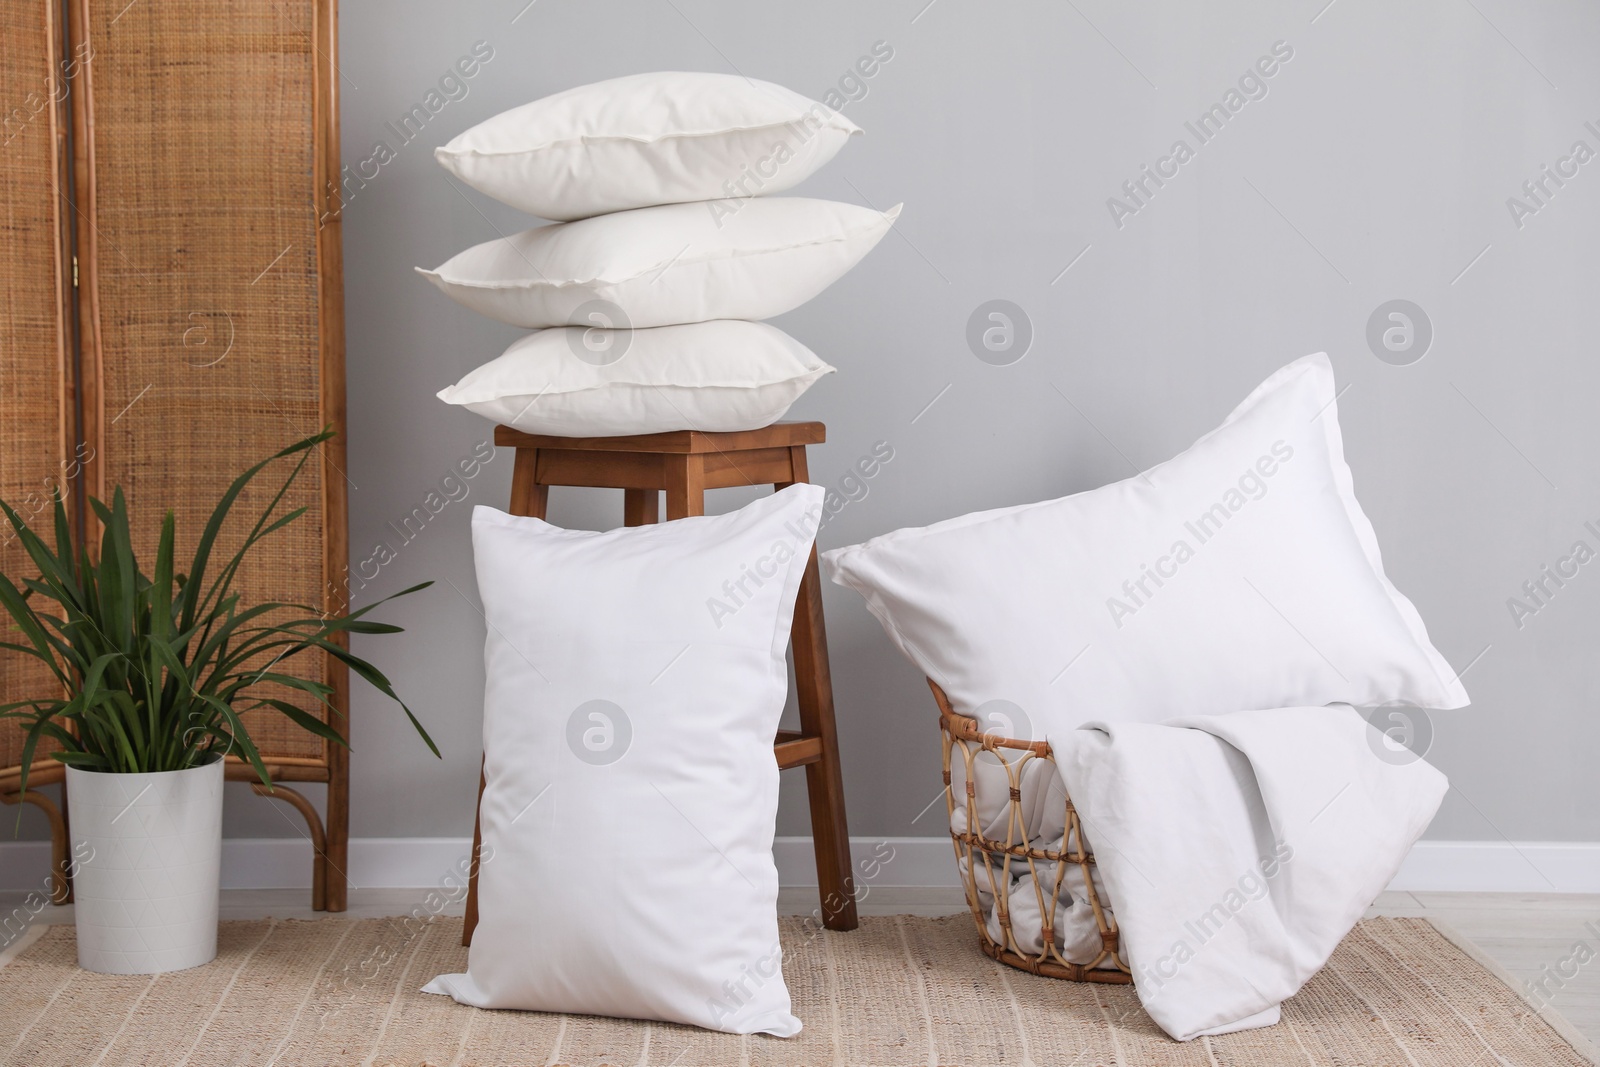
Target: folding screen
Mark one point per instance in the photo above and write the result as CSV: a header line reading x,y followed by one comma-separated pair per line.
x,y
36,424
209,304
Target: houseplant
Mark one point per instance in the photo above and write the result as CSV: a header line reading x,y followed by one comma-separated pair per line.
x,y
153,673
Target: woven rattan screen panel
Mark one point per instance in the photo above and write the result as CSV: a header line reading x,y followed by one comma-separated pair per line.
x,y
208,348
33,409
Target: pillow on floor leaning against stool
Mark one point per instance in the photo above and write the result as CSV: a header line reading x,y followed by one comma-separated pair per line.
x,y
622,713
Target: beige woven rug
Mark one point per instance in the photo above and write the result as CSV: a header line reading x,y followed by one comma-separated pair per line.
x,y
897,991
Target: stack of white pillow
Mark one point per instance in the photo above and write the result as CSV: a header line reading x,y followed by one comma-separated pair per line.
x,y
667,249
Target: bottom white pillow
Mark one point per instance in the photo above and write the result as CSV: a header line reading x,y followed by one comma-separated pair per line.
x,y
574,381
631,792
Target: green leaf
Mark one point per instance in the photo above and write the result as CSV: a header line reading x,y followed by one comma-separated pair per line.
x,y
241,738
320,690
219,515
261,529
63,529
392,596
376,679
356,626
50,568
11,599
88,761
306,721
161,586
29,744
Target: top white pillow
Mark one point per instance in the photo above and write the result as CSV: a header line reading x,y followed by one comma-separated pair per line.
x,y
647,139
1240,575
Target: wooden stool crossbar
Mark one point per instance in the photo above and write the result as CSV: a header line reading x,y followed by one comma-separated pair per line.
x,y
684,464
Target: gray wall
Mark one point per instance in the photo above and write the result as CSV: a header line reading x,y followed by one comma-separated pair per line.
x,y
1377,167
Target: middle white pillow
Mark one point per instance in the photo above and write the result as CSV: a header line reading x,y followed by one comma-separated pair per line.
x,y
720,259
714,376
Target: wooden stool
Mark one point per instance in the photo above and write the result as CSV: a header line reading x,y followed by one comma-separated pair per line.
x,y
685,463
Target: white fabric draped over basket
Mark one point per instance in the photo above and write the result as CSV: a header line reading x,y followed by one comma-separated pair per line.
x,y
1238,850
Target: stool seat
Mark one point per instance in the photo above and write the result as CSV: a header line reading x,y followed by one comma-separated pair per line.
x,y
683,464
679,462
675,442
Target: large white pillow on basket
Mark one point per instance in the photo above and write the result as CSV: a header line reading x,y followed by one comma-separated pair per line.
x,y
630,790
663,265
1240,575
647,139
569,381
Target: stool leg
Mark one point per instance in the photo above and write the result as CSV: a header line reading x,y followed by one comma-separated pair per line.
x,y
686,486
528,497
639,506
824,782
469,921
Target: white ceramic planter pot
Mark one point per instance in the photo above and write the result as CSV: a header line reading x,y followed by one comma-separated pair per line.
x,y
146,890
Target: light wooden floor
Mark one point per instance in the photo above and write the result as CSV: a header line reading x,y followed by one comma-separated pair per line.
x,y
1531,936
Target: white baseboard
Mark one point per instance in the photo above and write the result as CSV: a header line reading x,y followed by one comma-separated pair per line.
x,y
282,862
420,862
1501,867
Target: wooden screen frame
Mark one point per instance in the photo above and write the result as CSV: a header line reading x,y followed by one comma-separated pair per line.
x,y
80,304
47,771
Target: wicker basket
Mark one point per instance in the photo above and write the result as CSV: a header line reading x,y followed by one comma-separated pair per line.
x,y
987,864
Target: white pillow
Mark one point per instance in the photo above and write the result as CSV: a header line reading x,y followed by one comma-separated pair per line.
x,y
573,382
663,265
631,793
647,139
1240,575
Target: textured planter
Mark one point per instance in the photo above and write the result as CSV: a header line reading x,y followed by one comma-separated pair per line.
x,y
146,890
